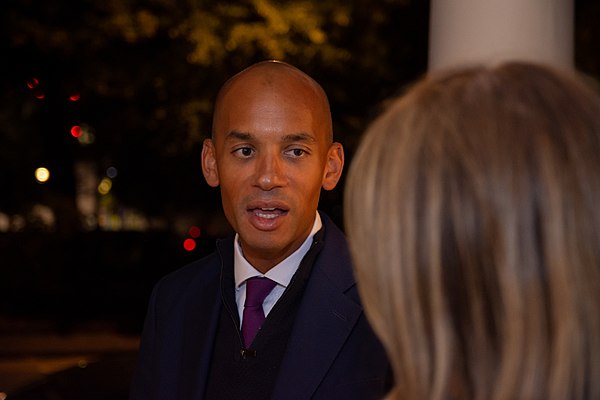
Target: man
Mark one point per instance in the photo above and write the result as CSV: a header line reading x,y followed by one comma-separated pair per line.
x,y
271,152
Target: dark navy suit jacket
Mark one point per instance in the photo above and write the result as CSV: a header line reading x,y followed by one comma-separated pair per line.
x,y
331,354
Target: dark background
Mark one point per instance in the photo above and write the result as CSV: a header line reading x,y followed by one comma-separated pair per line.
x,y
146,73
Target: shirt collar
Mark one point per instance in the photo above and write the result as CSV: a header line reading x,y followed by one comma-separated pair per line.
x,y
283,272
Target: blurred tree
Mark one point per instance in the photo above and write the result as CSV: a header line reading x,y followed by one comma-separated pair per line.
x,y
147,73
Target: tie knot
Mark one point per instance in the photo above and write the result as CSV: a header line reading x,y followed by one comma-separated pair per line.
x,y
257,288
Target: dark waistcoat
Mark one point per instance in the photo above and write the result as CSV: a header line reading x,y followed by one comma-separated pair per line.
x,y
251,374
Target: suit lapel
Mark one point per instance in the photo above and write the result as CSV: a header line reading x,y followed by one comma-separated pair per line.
x,y
203,299
325,320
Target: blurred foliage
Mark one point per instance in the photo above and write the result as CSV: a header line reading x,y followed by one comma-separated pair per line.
x,y
219,38
147,72
279,31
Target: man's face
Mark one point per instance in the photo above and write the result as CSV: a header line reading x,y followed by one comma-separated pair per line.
x,y
272,156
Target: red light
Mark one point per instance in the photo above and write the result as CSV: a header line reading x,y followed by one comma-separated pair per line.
x,y
32,83
76,131
195,232
40,95
189,244
74,97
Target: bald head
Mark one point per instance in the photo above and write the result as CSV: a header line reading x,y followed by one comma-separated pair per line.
x,y
280,80
271,153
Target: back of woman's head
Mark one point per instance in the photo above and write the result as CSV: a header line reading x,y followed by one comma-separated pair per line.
x,y
472,209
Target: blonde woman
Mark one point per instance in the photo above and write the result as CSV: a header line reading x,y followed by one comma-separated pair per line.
x,y
473,213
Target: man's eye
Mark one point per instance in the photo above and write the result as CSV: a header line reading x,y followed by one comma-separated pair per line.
x,y
244,152
296,152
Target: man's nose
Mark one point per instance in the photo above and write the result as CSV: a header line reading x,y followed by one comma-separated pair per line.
x,y
270,172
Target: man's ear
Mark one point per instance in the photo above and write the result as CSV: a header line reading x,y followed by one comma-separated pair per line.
x,y
334,166
209,163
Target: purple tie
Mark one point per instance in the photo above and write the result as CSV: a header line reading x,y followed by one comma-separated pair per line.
x,y
257,289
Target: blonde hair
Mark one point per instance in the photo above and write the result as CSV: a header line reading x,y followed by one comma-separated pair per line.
x,y
472,209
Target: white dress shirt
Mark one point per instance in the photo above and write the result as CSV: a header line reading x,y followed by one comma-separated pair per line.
x,y
282,273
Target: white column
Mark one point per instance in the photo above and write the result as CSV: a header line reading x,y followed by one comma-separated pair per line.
x,y
492,31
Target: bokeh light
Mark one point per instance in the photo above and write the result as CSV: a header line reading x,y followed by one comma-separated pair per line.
x,y
39,95
42,175
76,131
74,96
84,134
194,232
105,186
32,83
112,172
189,244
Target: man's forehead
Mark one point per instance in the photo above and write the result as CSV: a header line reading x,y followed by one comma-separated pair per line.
x,y
285,83
275,80
270,72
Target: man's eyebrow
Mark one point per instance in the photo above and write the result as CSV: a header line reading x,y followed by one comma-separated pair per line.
x,y
235,135
290,138
299,137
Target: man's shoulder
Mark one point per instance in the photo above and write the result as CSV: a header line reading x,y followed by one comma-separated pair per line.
x,y
187,273
193,278
334,259
332,233
190,283
200,269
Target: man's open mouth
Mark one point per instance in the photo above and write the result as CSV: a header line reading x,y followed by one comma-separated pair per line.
x,y
268,212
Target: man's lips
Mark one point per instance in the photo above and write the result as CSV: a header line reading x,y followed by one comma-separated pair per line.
x,y
268,212
267,205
